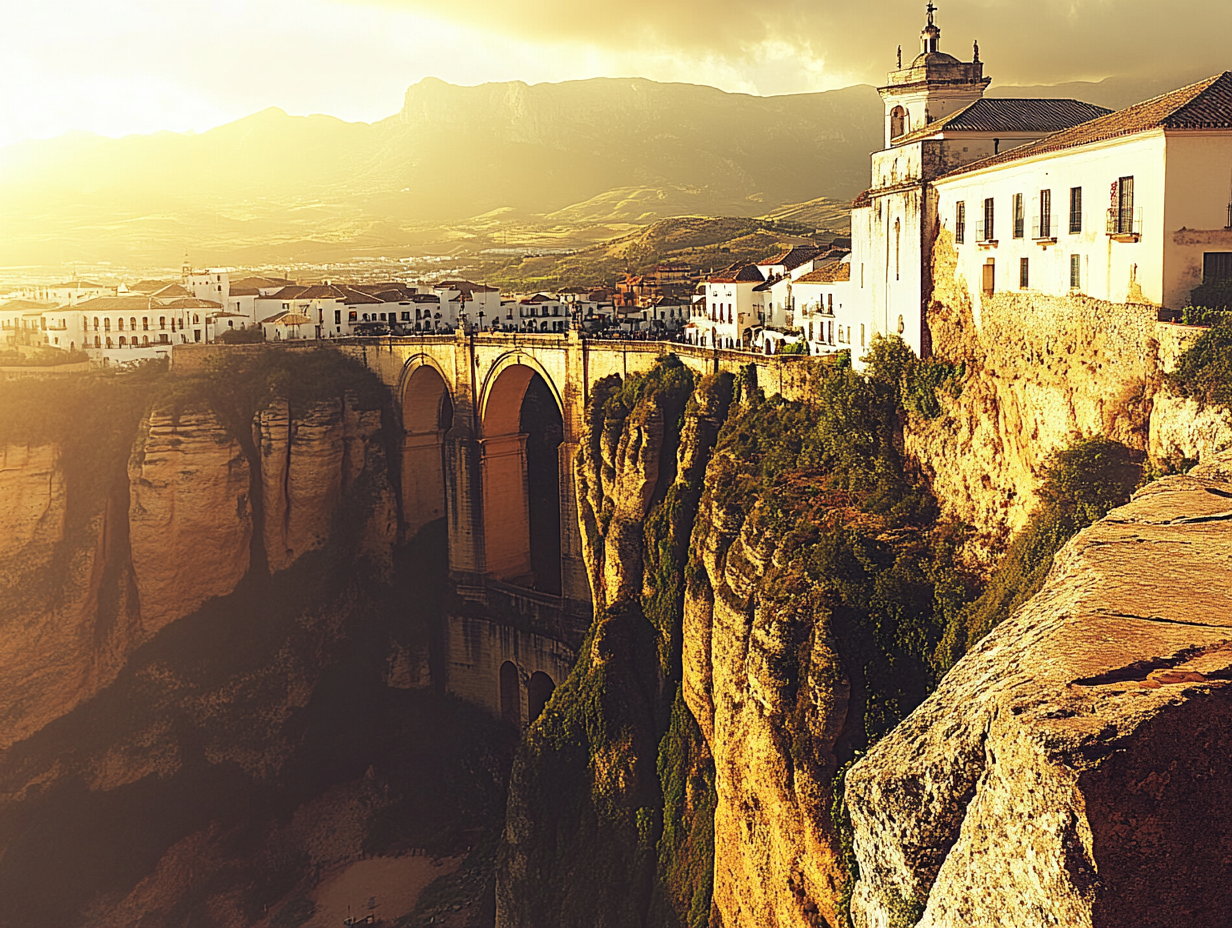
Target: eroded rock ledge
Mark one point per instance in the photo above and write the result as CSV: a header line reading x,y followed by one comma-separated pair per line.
x,y
1076,768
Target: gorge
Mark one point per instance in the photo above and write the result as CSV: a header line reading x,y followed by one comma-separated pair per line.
x,y
621,634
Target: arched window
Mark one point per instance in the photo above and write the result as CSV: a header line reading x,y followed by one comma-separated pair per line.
x,y
899,122
123,340
106,325
132,323
145,340
96,323
97,343
120,323
162,322
109,341
145,323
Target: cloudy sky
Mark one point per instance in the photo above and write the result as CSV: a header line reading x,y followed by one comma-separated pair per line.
x,y
121,66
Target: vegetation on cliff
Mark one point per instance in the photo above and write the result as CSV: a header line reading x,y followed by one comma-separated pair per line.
x,y
1081,484
612,789
1204,371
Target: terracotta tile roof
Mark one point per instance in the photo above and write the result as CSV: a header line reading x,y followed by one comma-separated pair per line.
x,y
792,258
149,286
260,282
78,285
1204,105
12,305
245,291
1008,114
170,292
830,274
747,274
110,304
286,293
193,303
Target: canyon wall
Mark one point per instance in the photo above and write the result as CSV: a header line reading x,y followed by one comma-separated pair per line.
x,y
1037,372
1074,768
171,528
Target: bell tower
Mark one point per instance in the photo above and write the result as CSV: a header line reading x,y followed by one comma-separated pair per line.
x,y
931,87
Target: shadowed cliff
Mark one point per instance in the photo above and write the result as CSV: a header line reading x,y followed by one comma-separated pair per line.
x,y
218,673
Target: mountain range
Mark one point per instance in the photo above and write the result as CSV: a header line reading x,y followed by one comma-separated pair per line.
x,y
457,169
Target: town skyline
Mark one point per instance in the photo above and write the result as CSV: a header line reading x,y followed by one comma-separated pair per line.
x,y
203,64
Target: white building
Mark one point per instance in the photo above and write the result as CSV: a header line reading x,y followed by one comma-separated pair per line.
x,y
1054,197
733,308
1133,207
825,313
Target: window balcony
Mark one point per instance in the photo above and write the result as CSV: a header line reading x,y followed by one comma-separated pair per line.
x,y
983,236
1044,232
1125,225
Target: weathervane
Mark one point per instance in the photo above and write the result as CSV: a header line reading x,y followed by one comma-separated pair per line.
x,y
931,10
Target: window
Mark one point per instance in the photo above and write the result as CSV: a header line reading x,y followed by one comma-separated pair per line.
x,y
1216,265
162,322
1045,214
1075,210
960,221
989,220
1019,217
132,323
898,122
990,277
1121,216
1024,273
145,323
1075,272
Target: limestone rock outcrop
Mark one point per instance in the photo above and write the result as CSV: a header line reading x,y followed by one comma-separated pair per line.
x,y
162,536
1039,372
1076,767
777,860
190,518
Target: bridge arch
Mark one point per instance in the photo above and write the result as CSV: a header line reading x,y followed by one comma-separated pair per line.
x,y
498,409
521,424
427,415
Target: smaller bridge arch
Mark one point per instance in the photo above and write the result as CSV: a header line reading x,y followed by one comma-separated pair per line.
x,y
426,406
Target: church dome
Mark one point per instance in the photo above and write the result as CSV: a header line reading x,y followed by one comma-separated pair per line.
x,y
934,59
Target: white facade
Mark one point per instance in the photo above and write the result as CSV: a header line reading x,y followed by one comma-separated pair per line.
x,y
1153,206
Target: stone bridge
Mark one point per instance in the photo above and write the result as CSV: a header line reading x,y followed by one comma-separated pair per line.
x,y
492,424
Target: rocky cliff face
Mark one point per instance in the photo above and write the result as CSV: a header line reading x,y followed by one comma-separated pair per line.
x,y
195,729
765,682
1074,768
1038,372
171,531
587,839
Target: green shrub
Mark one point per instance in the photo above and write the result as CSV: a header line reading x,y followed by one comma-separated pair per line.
x,y
795,348
1205,369
1212,295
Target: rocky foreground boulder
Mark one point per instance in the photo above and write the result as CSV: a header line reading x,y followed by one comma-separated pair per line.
x,y
1076,768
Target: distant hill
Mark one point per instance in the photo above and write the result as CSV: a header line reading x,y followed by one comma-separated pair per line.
x,y
286,187
1116,93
